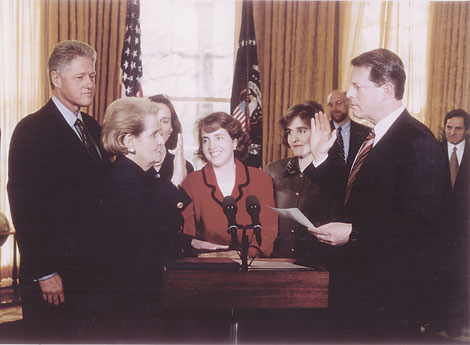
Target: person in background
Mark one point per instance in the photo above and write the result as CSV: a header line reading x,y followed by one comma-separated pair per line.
x,y
384,285
293,189
457,150
170,128
56,167
222,145
141,218
350,134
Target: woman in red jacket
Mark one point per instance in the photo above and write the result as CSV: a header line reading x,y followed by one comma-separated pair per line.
x,y
222,145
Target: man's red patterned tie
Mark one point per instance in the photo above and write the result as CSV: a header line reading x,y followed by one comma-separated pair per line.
x,y
361,156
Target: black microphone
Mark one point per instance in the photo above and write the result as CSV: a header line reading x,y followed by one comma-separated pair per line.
x,y
230,210
253,208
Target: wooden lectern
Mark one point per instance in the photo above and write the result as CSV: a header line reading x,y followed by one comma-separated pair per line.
x,y
268,284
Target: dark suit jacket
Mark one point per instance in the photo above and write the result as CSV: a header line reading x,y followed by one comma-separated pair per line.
x,y
141,223
395,210
335,182
293,189
54,190
461,190
456,258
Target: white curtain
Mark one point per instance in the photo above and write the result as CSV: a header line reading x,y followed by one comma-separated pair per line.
x,y
400,26
21,73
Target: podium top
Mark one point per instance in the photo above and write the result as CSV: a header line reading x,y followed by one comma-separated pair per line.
x,y
229,264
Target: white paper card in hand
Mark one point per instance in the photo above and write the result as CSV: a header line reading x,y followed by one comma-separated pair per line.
x,y
294,214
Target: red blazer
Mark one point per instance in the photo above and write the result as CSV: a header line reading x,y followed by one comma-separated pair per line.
x,y
204,217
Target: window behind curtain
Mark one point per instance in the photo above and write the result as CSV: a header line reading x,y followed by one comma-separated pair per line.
x,y
21,91
401,26
187,53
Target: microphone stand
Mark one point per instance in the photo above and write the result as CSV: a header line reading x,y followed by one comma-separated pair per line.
x,y
244,245
244,249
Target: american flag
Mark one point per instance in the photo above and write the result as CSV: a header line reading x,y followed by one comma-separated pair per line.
x,y
239,114
245,103
131,58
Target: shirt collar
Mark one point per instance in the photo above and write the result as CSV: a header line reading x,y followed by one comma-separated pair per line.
x,y
384,125
66,113
460,146
344,128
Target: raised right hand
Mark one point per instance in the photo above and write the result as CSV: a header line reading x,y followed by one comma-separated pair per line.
x,y
322,138
179,163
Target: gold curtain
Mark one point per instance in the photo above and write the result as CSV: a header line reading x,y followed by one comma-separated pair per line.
x,y
449,61
351,19
398,26
29,30
296,54
100,23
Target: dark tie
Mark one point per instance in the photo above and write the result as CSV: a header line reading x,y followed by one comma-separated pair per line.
x,y
360,157
454,166
340,143
87,140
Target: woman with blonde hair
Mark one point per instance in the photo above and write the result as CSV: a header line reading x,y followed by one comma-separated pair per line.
x,y
141,220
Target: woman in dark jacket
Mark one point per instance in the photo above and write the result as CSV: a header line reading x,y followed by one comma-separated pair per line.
x,y
141,218
293,189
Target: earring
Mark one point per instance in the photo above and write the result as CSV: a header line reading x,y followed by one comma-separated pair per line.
x,y
131,151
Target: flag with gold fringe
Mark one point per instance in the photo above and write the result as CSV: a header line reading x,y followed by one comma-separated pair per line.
x,y
245,104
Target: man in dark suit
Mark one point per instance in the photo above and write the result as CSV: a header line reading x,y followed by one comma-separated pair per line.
x,y
457,150
56,166
350,134
393,198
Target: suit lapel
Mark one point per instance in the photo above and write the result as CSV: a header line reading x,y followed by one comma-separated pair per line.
x,y
242,179
59,125
464,168
68,139
355,141
383,151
